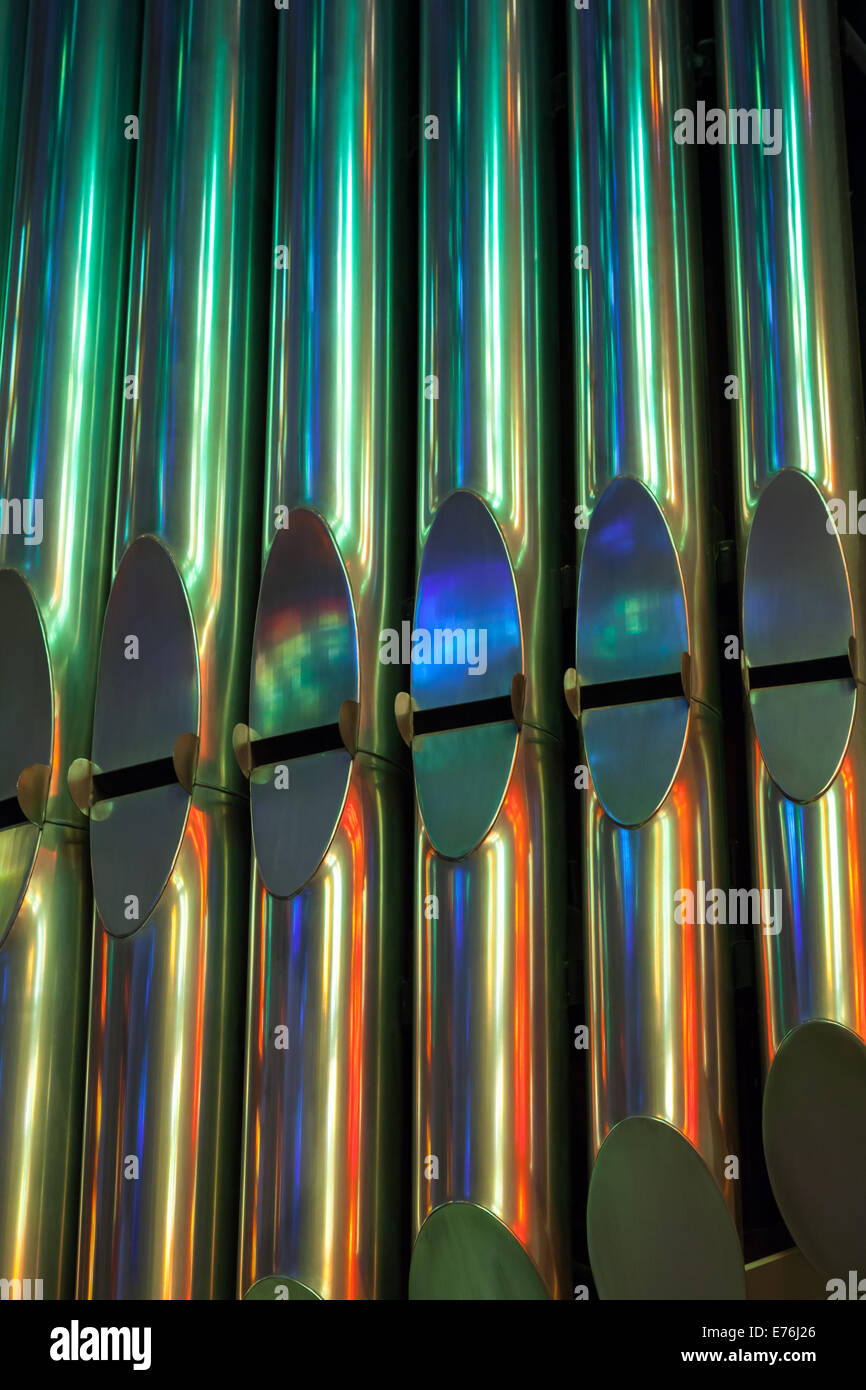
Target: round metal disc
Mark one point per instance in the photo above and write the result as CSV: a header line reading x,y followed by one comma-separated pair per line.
x,y
797,607
464,1252
305,665
657,1223
144,703
631,623
277,1288
466,588
815,1143
26,732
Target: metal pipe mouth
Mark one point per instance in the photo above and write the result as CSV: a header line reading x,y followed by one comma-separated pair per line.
x,y
799,657
814,1123
463,1251
26,740
464,710
137,787
297,750
657,1221
631,685
275,1288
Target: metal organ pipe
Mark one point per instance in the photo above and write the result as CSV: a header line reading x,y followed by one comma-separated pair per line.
x,y
483,712
61,389
321,1214
662,1207
13,38
800,470
166,802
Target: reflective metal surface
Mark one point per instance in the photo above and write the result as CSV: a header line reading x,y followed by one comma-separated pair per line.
x,y
336,422
631,626
465,588
43,1027
134,838
25,735
13,38
661,1104
486,294
323,1129
661,1215
490,1049
163,1098
793,336
193,439
159,1196
60,395
60,377
321,1185
305,665
490,1127
797,617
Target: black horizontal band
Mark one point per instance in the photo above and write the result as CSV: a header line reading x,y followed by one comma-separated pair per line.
x,y
632,691
468,715
823,668
282,748
141,777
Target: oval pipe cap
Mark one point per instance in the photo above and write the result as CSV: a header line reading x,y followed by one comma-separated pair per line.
x,y
32,792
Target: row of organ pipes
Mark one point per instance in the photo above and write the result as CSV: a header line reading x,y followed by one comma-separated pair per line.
x,y
283,924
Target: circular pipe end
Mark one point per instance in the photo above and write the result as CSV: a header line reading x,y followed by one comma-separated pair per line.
x,y
658,1225
815,1143
464,1252
278,1288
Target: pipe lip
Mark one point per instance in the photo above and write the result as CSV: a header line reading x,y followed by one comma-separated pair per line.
x,y
467,695
138,784
799,655
814,1129
657,1221
27,741
277,1288
464,1252
633,677
304,703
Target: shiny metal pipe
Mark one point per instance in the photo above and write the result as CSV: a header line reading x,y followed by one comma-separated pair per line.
x,y
321,1212
490,1162
60,394
663,1203
167,823
13,39
800,468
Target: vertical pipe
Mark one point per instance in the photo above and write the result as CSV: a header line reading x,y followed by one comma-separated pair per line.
x,y
13,39
799,464
490,1210
321,1213
662,1207
165,799
60,394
